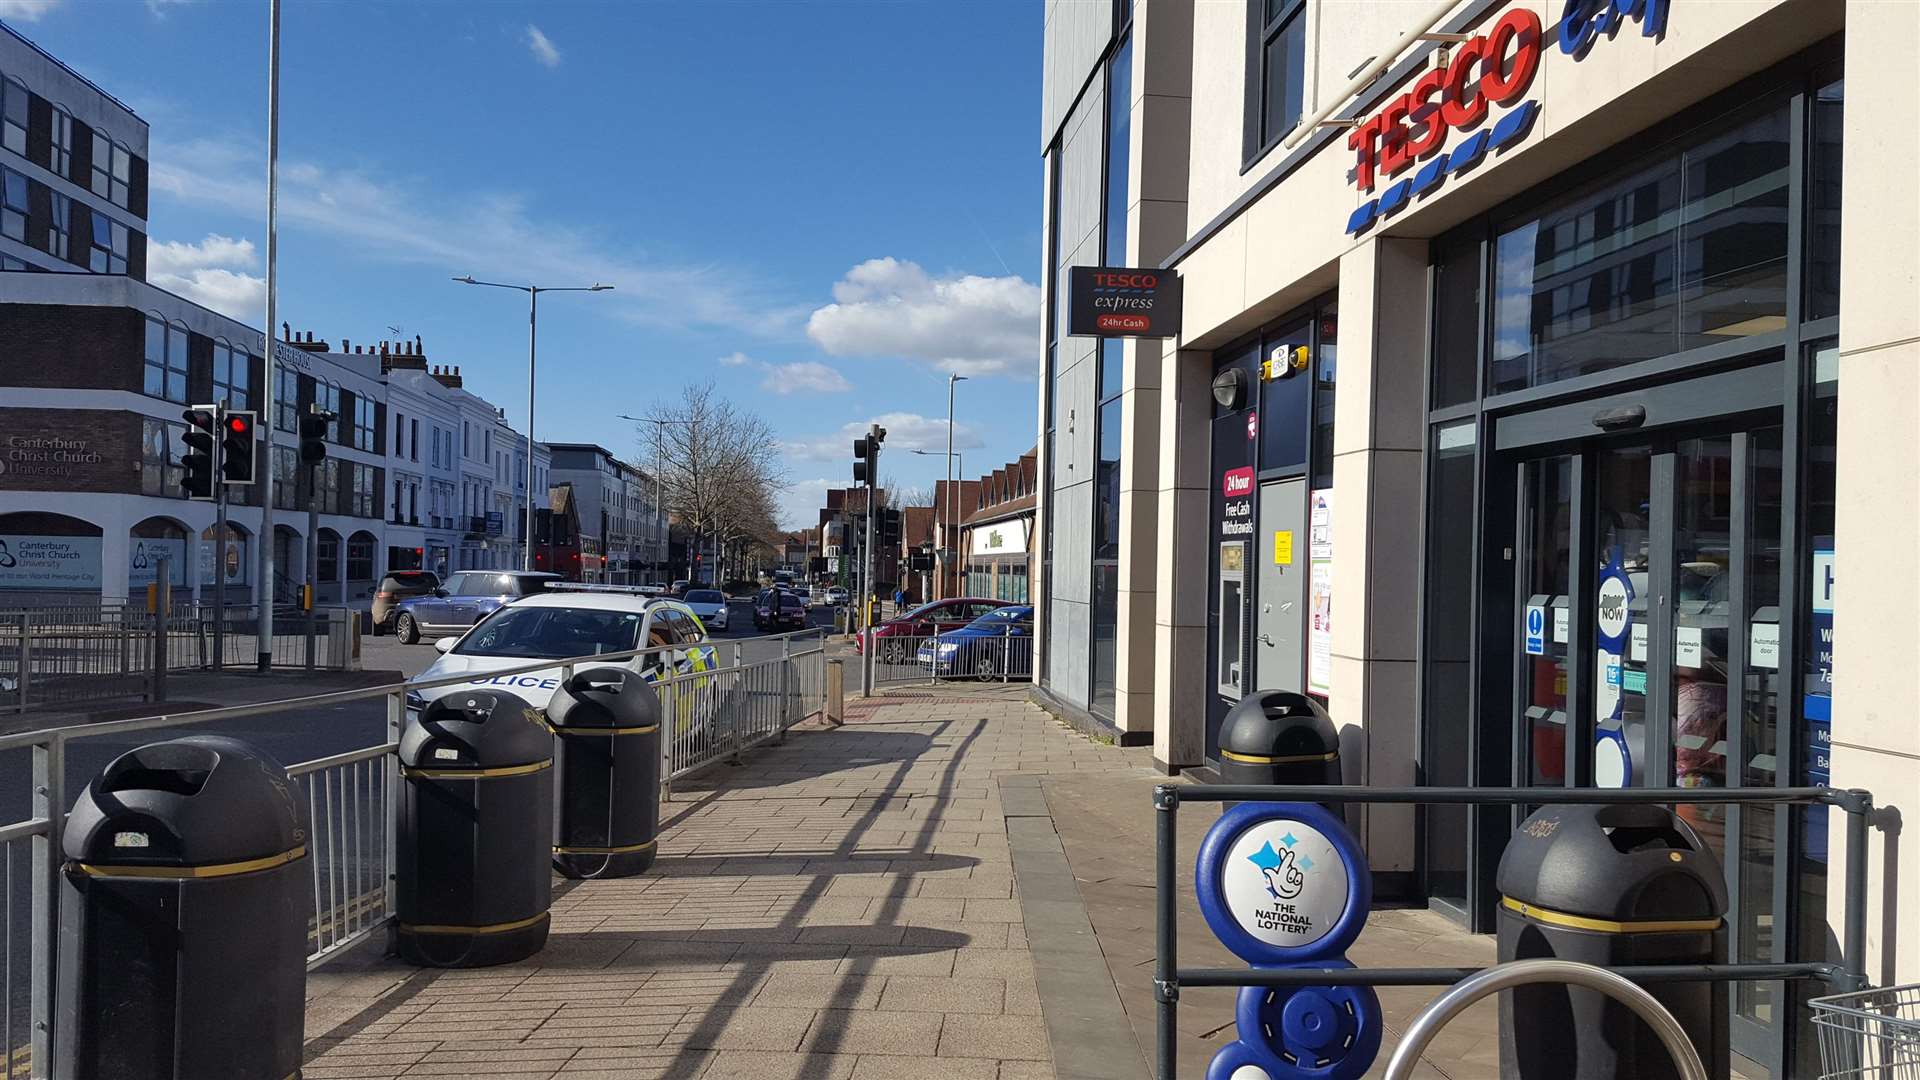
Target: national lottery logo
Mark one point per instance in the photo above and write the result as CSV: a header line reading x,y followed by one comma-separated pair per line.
x,y
1285,870
1284,883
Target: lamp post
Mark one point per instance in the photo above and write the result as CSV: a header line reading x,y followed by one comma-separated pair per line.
x,y
533,305
956,462
952,377
659,461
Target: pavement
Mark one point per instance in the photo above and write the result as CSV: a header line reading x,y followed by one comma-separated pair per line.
x,y
951,885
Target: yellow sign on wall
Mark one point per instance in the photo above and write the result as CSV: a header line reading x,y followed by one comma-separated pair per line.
x,y
1283,548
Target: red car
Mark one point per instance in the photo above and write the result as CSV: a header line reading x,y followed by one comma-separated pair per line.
x,y
896,640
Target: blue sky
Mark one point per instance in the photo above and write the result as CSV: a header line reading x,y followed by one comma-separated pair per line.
x,y
825,206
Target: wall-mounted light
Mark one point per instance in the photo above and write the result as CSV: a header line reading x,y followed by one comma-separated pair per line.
x,y
1230,388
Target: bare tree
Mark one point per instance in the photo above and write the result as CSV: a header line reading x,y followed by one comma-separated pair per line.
x,y
915,496
720,468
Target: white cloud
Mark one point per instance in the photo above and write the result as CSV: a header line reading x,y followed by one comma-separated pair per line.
x,y
210,273
800,376
905,431
802,501
965,323
542,47
26,10
404,219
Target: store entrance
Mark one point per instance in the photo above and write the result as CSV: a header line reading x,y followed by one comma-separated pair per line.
x,y
1647,579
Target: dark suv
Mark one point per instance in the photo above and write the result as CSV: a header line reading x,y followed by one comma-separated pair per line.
x,y
777,609
399,585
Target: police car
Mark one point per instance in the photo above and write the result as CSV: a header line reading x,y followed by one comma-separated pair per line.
x,y
562,625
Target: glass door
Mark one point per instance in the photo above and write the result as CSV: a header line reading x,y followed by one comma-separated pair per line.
x,y
1647,651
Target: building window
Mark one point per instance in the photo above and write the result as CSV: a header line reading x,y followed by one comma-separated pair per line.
x,y
60,226
231,376
360,558
62,143
327,560
13,116
399,435
327,481
109,251
166,360
1280,50
286,473
413,440
160,472
363,423
327,397
286,397
112,170
13,205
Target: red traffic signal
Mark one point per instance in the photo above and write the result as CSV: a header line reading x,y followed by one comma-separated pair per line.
x,y
236,448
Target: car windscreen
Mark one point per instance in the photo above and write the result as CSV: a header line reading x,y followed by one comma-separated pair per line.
x,y
1001,616
542,633
705,596
411,579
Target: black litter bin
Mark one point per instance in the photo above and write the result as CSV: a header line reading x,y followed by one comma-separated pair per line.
x,y
183,918
606,810
1279,737
476,825
1609,885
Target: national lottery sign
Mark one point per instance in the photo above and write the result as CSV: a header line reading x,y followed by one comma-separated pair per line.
x,y
1118,301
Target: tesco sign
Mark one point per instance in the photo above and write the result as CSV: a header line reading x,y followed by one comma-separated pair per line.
x,y
1494,68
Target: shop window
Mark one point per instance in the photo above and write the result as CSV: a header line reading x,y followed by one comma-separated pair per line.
x,y
1279,48
1447,670
1326,367
1456,318
1823,202
1683,252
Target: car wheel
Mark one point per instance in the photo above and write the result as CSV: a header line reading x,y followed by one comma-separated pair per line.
x,y
893,652
405,629
987,666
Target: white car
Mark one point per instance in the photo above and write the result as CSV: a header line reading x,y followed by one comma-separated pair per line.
x,y
710,605
564,625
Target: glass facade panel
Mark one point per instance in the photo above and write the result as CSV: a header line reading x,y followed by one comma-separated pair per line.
x,y
1702,558
1823,202
1548,536
1683,252
1326,368
1447,671
1760,693
1456,320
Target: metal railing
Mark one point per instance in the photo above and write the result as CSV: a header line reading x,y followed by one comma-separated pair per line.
x,y
731,704
1849,973
1004,655
91,652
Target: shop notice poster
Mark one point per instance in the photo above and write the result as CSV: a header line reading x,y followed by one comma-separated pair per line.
x,y
1320,592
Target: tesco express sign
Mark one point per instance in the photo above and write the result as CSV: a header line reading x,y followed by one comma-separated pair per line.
x,y
1494,68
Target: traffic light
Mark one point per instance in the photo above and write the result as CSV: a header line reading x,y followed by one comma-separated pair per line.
x,y
888,526
196,461
236,447
866,455
921,560
313,437
863,462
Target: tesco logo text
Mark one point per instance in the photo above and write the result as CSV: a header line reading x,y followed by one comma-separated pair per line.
x,y
1127,281
1237,482
1495,67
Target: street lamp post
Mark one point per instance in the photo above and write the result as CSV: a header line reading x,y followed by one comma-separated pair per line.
x,y
945,563
956,462
533,306
659,461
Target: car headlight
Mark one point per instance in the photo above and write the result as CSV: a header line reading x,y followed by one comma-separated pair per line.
x,y
416,702
947,648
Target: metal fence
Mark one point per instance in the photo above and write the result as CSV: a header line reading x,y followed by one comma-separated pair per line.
x,y
1003,655
77,653
720,702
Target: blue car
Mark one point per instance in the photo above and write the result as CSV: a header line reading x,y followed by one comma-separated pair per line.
x,y
466,598
996,645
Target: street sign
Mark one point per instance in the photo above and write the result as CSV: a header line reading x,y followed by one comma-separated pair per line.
x,y
1119,301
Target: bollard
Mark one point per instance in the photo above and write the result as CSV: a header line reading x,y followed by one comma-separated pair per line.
x,y
606,752
1609,885
473,877
836,707
183,918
